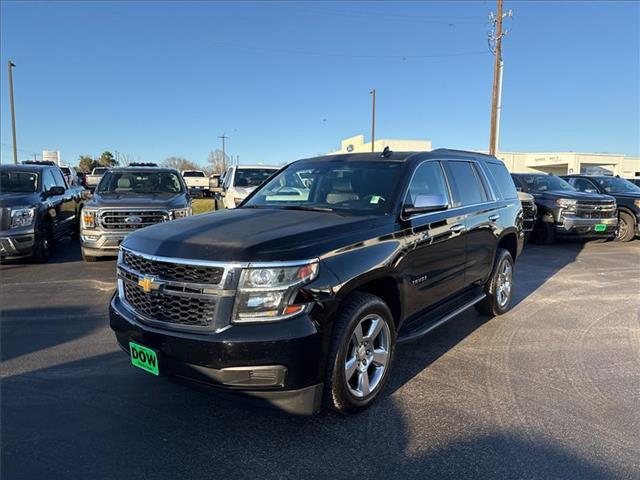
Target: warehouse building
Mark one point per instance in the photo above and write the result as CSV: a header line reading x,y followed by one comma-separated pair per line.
x,y
558,163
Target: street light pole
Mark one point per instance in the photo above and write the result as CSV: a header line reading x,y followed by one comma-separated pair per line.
x,y
10,66
373,119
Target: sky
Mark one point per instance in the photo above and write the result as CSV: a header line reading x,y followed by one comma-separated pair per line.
x,y
288,80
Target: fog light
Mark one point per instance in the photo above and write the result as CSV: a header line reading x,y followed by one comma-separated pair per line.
x,y
259,376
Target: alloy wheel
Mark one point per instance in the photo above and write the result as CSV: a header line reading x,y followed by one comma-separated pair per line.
x,y
623,228
503,284
367,355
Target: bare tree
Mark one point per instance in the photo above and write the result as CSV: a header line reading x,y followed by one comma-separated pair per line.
x,y
180,163
218,161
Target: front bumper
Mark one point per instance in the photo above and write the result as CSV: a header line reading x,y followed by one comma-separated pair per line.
x,y
585,227
98,243
277,365
16,243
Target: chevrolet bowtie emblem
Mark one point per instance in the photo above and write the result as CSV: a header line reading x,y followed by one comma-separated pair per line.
x,y
147,284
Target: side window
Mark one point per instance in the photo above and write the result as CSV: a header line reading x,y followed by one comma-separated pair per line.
x,y
503,180
466,187
47,180
519,183
59,178
584,185
227,178
428,179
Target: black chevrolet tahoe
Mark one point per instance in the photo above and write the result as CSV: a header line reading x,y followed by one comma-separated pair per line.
x,y
627,197
299,296
562,211
37,207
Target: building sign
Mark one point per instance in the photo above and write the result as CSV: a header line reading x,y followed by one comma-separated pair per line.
x,y
52,156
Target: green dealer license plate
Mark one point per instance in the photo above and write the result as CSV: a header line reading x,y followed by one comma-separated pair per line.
x,y
600,227
144,358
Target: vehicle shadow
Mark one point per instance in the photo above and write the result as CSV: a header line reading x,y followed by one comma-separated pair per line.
x,y
98,417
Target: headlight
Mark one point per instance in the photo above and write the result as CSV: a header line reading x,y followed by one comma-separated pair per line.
x,y
266,294
88,218
567,204
181,212
22,217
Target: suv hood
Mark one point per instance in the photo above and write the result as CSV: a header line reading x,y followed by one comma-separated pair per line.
x,y
246,235
554,194
8,200
140,200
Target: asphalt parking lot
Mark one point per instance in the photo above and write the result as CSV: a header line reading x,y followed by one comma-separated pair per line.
x,y
550,390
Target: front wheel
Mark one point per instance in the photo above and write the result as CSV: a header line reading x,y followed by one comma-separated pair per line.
x,y
43,242
626,227
361,353
499,287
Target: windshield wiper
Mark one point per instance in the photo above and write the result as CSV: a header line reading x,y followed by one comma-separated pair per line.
x,y
306,208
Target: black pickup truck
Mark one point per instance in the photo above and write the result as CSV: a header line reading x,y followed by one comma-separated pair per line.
x,y
300,295
562,211
36,208
627,197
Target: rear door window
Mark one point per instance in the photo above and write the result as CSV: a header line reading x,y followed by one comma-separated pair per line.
x,y
466,187
504,182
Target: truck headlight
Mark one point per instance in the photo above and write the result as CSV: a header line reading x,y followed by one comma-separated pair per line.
x,y
266,294
567,204
22,217
88,218
181,212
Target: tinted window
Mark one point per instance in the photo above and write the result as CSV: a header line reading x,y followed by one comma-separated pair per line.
x,y
503,180
252,177
428,179
466,187
544,183
583,185
59,178
47,180
193,173
12,181
140,182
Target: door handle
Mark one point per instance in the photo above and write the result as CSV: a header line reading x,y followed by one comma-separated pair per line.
x,y
457,228
494,217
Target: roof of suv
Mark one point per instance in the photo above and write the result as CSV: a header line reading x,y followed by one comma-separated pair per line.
x,y
440,153
31,167
142,169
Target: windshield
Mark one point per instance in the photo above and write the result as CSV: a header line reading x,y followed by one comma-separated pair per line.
x,y
65,170
545,183
99,171
355,187
252,177
13,182
616,185
140,182
193,174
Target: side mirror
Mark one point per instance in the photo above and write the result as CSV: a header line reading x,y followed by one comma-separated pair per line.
x,y
53,191
214,183
427,203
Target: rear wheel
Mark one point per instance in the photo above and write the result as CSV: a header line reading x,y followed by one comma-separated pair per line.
x,y
499,287
361,353
626,227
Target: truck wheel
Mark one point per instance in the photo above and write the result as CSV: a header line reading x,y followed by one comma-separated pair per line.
x,y
361,353
88,258
499,287
626,228
43,242
544,232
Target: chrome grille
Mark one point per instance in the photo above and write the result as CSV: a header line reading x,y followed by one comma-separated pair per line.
x,y
528,214
179,272
131,219
596,209
172,309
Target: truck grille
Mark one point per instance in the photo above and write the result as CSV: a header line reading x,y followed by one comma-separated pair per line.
x,y
596,209
131,219
528,214
172,309
178,272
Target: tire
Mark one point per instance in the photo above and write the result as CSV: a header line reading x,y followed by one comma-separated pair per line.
x,y
626,227
495,303
88,258
359,311
43,243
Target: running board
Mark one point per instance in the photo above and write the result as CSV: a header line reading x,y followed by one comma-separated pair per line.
x,y
432,326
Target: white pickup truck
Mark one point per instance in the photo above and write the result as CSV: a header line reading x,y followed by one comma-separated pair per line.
x,y
93,179
197,182
239,181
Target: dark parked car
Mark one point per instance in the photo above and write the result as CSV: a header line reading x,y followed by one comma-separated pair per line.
x,y
529,212
128,199
635,181
565,212
627,197
301,299
36,208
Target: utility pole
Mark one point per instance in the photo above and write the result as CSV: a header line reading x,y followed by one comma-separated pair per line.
x,y
224,154
373,119
10,66
497,37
